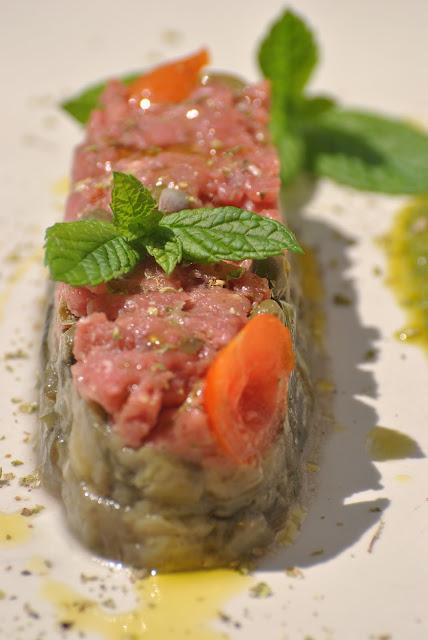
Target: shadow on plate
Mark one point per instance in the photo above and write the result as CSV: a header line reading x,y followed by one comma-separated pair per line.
x,y
334,523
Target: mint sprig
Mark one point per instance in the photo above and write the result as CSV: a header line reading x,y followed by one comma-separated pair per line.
x,y
364,150
88,252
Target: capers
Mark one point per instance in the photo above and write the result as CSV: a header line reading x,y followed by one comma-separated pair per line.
x,y
225,79
268,306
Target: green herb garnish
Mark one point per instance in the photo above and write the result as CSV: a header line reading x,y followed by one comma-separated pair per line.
x,y
261,590
88,252
368,151
361,149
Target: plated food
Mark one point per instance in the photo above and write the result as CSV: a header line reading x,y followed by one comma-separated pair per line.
x,y
176,399
53,585
178,406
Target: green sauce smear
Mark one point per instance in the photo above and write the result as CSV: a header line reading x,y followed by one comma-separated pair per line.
x,y
407,249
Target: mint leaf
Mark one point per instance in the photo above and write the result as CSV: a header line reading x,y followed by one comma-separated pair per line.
x,y
228,233
134,209
87,252
310,107
167,254
368,151
288,55
81,105
291,151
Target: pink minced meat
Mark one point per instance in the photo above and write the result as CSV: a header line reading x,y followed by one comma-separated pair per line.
x,y
220,157
143,344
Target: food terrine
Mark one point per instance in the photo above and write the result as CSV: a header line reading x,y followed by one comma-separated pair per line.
x,y
174,410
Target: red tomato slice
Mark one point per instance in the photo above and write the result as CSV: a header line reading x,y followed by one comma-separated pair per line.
x,y
246,387
171,82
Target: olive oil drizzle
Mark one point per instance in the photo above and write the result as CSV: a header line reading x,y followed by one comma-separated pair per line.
x,y
407,250
390,444
14,529
17,275
180,606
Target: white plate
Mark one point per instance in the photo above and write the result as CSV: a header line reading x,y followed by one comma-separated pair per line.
x,y
370,579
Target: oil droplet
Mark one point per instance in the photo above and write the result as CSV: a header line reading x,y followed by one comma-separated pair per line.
x,y
388,444
325,385
311,275
14,529
313,290
171,37
403,478
61,187
339,427
179,606
407,249
17,275
38,566
312,467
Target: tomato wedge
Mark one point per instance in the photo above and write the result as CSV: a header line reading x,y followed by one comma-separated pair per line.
x,y
171,82
246,387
